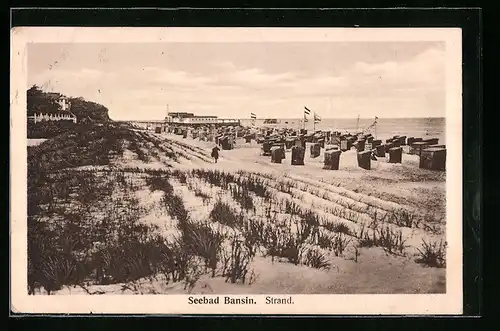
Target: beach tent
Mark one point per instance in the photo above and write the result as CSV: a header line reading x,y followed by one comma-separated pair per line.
x,y
277,154
266,148
332,160
297,155
433,159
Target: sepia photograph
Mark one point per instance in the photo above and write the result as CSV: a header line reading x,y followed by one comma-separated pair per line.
x,y
236,170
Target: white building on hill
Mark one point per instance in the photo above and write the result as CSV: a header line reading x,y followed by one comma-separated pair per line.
x,y
64,114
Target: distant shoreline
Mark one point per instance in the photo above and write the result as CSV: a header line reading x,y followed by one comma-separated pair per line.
x,y
300,119
342,118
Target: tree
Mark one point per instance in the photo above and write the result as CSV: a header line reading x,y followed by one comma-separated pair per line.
x,y
83,109
41,102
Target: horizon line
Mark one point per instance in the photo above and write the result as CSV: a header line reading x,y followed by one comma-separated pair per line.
x,y
292,118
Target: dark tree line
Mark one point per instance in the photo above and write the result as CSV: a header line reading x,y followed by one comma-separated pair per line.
x,y
41,102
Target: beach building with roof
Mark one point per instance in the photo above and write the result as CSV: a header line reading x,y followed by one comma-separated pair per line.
x,y
183,118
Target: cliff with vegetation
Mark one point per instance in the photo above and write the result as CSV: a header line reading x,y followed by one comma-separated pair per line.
x,y
39,101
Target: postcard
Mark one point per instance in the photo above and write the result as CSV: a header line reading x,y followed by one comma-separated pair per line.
x,y
236,170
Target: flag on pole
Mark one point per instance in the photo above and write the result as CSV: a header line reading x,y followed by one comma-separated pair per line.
x,y
306,112
253,116
317,118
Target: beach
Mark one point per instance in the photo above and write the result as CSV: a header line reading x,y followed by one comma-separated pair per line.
x,y
295,229
35,142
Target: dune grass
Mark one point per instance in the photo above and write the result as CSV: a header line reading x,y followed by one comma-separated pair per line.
x,y
84,226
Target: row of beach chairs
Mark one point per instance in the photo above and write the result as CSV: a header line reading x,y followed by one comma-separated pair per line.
x,y
432,156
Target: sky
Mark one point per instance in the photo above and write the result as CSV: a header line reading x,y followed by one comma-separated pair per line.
x,y
231,80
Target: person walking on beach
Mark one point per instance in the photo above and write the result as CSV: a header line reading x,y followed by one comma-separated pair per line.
x,y
215,153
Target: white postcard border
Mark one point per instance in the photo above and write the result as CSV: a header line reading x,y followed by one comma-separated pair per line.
x,y
449,303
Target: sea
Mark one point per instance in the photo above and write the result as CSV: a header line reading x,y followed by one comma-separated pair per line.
x,y
385,128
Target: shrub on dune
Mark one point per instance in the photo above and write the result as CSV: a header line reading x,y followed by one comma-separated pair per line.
x,y
316,259
432,254
201,240
236,260
224,214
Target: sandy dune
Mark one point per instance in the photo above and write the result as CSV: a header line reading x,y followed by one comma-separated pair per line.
x,y
352,196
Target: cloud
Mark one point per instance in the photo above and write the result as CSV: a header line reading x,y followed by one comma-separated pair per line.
x,y
254,78
426,70
227,89
81,82
169,77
